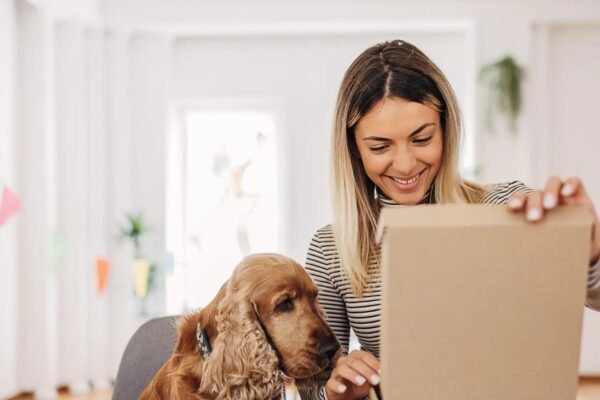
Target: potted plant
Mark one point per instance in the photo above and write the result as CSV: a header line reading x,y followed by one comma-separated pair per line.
x,y
502,80
134,230
143,272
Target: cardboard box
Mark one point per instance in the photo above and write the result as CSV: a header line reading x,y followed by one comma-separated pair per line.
x,y
479,304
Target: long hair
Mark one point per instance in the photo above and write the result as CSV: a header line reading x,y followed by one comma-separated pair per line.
x,y
386,70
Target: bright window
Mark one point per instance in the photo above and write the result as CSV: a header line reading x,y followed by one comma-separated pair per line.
x,y
230,197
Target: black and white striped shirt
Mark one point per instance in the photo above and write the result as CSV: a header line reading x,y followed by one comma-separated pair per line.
x,y
344,310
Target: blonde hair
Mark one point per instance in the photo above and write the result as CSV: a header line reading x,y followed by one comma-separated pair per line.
x,y
390,69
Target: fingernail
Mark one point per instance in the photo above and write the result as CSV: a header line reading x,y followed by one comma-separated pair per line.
x,y
549,201
341,388
360,380
534,214
375,379
567,190
514,203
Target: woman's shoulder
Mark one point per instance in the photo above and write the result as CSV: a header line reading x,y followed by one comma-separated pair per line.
x,y
324,232
323,243
500,193
324,237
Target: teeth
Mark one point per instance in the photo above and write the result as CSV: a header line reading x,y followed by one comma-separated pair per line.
x,y
408,182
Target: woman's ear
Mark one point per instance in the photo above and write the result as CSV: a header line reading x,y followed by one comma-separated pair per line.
x,y
242,364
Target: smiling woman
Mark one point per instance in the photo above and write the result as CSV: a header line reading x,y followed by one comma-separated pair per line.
x,y
395,143
396,135
402,161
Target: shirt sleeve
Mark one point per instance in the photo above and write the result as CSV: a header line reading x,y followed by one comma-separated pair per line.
x,y
593,290
318,267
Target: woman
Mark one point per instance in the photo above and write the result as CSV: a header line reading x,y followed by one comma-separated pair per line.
x,y
395,142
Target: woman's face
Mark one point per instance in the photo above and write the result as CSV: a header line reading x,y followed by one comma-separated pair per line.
x,y
400,146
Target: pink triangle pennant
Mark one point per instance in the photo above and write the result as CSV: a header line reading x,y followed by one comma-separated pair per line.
x,y
8,205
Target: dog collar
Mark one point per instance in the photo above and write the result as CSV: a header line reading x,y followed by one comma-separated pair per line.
x,y
282,395
203,342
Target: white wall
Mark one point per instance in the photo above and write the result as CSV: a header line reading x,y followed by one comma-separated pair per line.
x,y
37,353
119,200
8,233
148,126
80,10
500,28
53,155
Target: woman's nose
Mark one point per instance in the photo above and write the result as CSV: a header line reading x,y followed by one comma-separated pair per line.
x,y
404,162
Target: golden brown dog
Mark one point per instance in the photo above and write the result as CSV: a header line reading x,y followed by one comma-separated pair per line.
x,y
264,322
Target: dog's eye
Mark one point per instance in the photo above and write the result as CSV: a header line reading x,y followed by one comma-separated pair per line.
x,y
285,305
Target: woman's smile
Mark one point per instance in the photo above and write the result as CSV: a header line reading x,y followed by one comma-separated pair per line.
x,y
407,183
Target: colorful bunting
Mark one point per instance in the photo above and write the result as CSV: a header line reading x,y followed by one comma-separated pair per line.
x,y
9,204
141,269
169,262
102,271
59,246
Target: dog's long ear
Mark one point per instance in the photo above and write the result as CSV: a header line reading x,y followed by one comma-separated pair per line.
x,y
242,364
182,374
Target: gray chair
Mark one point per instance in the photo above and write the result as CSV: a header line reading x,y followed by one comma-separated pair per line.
x,y
147,350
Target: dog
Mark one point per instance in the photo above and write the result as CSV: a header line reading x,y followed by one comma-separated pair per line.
x,y
264,328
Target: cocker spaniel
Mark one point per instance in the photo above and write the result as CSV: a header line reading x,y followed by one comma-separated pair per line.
x,y
265,326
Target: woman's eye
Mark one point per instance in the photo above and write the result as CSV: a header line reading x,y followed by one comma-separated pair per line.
x,y
424,140
285,305
377,148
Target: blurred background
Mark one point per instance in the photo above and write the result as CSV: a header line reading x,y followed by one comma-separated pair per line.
x,y
146,146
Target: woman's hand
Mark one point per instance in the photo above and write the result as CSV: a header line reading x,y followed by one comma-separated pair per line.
x,y
555,193
353,376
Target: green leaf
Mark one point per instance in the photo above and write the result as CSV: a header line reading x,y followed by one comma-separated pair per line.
x,y
502,79
134,230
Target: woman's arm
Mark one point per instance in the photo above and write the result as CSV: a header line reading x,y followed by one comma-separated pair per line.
x,y
318,265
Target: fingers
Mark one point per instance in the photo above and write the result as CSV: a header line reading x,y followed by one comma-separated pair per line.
x,y
359,369
534,210
573,192
530,203
570,192
571,187
552,192
555,192
336,386
354,374
368,359
517,201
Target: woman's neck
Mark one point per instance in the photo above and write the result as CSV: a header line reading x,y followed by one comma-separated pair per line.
x,y
383,200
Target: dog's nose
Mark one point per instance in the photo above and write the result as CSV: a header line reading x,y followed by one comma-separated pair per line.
x,y
329,348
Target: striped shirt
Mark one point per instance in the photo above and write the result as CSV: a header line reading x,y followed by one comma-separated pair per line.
x,y
344,310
